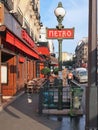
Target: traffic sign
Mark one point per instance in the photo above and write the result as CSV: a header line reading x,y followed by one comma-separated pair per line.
x,y
66,33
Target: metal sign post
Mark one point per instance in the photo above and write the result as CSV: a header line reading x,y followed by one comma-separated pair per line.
x,y
60,33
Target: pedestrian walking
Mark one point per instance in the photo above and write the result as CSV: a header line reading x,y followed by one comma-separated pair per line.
x,y
69,77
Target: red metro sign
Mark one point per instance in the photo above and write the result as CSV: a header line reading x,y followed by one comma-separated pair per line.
x,y
66,33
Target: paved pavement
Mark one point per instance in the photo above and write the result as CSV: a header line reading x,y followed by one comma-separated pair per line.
x,y
22,114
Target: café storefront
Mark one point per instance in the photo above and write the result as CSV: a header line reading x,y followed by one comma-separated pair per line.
x,y
18,61
18,53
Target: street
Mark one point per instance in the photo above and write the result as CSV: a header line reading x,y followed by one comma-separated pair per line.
x,y
22,114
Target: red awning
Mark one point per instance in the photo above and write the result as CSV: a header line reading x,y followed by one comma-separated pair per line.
x,y
43,50
10,38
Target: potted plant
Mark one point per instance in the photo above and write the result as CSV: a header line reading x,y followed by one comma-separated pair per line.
x,y
56,70
45,71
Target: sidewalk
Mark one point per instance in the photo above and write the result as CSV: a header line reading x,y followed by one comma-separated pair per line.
x,y
22,111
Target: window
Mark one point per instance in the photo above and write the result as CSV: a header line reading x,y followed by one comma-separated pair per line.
x,y
4,74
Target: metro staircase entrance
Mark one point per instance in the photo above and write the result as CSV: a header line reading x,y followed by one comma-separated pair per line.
x,y
71,100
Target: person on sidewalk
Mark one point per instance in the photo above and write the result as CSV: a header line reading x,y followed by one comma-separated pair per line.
x,y
64,76
69,77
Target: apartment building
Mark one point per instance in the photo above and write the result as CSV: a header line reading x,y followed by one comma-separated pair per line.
x,y
67,56
47,45
19,33
81,53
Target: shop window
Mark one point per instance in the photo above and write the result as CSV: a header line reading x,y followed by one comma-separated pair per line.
x,y
4,74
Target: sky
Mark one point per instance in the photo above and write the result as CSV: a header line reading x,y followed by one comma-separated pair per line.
x,y
76,16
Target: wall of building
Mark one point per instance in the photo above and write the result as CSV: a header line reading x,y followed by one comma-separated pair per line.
x,y
67,56
81,53
43,38
19,32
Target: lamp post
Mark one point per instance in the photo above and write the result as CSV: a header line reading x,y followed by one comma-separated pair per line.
x,y
60,33
60,13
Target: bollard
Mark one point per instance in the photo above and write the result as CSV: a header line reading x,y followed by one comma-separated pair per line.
x,y
60,93
40,106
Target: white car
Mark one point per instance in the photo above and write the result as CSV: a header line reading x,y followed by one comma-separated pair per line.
x,y
81,75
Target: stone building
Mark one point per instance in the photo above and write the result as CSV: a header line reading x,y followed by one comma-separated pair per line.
x,y
81,53
19,33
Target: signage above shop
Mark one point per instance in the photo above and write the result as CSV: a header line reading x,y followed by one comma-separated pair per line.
x,y
66,33
27,38
13,40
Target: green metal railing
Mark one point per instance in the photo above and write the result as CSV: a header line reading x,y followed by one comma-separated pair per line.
x,y
71,98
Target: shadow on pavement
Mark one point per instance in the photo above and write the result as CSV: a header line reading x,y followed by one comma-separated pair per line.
x,y
27,105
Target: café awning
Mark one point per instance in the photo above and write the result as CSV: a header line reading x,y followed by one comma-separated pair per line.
x,y
54,61
43,50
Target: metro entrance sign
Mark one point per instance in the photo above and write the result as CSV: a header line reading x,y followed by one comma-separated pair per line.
x,y
66,33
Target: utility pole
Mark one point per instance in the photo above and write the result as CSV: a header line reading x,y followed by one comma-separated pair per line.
x,y
92,88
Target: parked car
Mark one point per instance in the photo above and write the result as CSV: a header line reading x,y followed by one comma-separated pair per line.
x,y
81,75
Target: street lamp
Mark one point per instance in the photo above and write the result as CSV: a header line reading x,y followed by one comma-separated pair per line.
x,y
60,13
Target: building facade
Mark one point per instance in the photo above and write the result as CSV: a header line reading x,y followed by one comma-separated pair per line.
x,y
45,44
19,33
67,56
81,53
